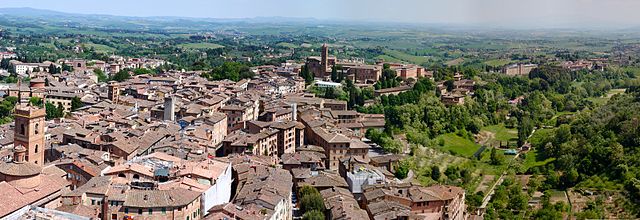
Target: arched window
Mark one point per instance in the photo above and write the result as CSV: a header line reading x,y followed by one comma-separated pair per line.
x,y
136,176
121,175
36,148
37,126
79,64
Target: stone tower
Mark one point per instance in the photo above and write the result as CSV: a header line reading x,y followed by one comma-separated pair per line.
x,y
324,60
113,92
29,132
169,108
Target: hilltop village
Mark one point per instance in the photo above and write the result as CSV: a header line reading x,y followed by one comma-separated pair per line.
x,y
174,145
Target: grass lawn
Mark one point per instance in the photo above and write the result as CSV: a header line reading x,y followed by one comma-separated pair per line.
x,y
501,134
100,47
388,58
200,46
553,121
458,145
538,137
497,62
406,57
533,159
286,45
454,62
602,100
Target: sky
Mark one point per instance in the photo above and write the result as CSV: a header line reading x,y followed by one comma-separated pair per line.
x,y
534,13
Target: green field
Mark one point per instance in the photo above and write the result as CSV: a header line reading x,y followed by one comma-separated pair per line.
x,y
458,145
533,159
406,57
388,58
286,45
200,46
553,121
100,47
539,136
498,62
602,100
500,133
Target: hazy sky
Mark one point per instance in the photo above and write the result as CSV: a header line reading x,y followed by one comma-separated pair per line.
x,y
488,12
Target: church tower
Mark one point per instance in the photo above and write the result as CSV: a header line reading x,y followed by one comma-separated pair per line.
x,y
29,132
325,59
113,92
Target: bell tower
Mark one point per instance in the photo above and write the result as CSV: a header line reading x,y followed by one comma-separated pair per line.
x,y
324,59
29,132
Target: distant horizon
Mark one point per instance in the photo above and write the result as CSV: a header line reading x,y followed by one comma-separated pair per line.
x,y
488,13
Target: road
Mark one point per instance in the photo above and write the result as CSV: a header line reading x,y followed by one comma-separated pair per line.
x,y
487,198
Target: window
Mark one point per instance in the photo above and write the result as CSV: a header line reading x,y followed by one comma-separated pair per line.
x,y
150,211
22,129
126,210
164,210
114,216
36,128
136,176
139,211
121,175
93,202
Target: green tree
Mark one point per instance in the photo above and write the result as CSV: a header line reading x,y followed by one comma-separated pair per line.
x,y
76,103
313,215
435,173
403,169
53,111
334,74
496,158
35,101
121,76
310,200
306,75
101,76
229,70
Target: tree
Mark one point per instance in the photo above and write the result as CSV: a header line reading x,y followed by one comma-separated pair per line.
x,y
525,127
402,170
35,101
313,215
306,75
121,76
66,67
330,93
101,76
334,74
435,173
141,71
53,111
4,64
310,200
76,103
53,69
496,158
229,70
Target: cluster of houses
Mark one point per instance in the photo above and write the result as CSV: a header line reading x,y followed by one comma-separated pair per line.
x,y
357,70
177,146
111,66
455,94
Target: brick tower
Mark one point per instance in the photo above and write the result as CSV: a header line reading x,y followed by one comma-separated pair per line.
x,y
29,132
325,59
113,92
